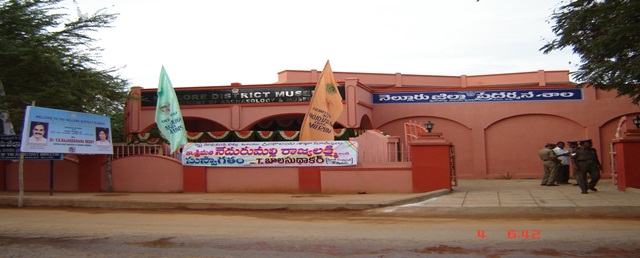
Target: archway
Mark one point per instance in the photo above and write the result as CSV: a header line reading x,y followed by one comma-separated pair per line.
x,y
512,143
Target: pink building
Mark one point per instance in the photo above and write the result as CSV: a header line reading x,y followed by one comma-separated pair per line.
x,y
497,123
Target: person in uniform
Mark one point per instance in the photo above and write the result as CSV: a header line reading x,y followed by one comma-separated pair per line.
x,y
550,163
573,147
587,161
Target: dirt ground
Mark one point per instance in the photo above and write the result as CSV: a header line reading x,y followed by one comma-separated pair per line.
x,y
30,232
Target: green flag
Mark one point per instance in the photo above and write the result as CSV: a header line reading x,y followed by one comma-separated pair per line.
x,y
168,115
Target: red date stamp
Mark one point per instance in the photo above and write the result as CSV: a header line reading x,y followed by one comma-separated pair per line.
x,y
515,234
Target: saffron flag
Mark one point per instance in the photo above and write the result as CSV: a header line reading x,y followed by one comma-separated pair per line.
x,y
168,115
324,109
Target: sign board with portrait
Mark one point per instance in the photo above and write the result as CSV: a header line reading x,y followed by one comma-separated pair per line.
x,y
49,130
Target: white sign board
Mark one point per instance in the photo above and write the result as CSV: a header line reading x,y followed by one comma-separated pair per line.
x,y
49,130
271,154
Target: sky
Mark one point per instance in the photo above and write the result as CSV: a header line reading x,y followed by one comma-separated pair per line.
x,y
215,43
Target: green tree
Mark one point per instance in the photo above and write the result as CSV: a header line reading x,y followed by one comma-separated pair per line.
x,y
606,36
49,58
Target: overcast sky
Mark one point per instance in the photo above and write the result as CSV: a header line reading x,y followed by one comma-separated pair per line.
x,y
213,43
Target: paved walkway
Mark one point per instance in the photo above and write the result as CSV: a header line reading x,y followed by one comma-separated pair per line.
x,y
472,197
524,198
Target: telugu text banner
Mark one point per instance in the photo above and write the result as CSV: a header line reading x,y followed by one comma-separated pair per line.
x,y
477,96
271,154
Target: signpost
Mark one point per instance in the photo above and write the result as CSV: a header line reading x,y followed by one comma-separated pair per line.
x,y
55,131
49,130
10,150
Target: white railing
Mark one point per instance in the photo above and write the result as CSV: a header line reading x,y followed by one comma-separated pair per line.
x,y
124,150
412,130
380,156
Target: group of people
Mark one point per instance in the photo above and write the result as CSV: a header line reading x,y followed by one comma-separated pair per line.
x,y
582,159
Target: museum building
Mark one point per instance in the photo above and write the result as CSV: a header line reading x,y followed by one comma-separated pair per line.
x,y
494,123
497,122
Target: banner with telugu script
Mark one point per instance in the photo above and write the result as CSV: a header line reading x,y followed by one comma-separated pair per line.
x,y
271,154
474,96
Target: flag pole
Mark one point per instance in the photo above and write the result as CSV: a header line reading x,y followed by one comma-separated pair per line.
x,y
21,173
21,179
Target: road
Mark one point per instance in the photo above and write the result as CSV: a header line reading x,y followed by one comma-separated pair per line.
x,y
31,232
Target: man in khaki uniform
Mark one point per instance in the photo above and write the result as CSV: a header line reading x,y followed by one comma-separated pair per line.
x,y
550,163
573,147
587,160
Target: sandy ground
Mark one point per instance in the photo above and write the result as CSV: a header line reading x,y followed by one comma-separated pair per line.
x,y
30,232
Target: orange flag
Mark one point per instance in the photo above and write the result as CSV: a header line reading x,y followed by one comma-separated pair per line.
x,y
324,109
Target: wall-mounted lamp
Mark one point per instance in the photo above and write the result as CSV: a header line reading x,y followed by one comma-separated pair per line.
x,y
636,121
430,125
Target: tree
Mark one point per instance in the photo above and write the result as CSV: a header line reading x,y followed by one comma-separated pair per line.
x,y
48,58
606,36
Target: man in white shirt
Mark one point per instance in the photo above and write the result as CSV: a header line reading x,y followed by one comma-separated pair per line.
x,y
563,167
37,134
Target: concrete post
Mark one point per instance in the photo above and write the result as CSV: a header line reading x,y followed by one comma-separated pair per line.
x,y
194,179
89,179
3,168
309,180
627,150
430,163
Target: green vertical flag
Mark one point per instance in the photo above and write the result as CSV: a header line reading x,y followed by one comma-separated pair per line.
x,y
168,115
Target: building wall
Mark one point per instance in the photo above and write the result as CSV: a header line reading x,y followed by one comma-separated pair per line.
x,y
367,181
491,139
380,80
149,173
152,173
261,180
37,175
